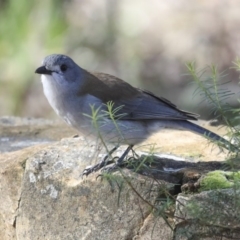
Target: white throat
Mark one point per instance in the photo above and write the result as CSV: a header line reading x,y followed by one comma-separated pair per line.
x,y
50,91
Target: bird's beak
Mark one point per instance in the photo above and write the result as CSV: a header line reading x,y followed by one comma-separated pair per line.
x,y
43,70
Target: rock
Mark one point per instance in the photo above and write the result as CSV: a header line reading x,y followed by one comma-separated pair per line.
x,y
57,204
11,176
43,196
154,228
209,215
18,133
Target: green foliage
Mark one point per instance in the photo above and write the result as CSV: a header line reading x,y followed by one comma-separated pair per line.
x,y
211,214
219,180
211,89
206,208
98,116
164,201
26,27
215,95
25,20
112,114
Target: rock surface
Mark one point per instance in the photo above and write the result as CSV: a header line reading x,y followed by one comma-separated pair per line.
x,y
57,204
17,133
43,196
208,215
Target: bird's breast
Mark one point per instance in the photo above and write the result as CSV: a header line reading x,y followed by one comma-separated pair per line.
x,y
51,92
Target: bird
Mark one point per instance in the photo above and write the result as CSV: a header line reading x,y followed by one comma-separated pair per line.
x,y
102,105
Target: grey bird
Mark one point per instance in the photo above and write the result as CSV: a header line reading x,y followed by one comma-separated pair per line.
x,y
76,95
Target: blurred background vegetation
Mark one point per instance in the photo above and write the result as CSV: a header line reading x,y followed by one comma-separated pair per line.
x,y
146,43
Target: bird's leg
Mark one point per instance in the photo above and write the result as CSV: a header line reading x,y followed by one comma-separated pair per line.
x,y
101,164
135,155
119,161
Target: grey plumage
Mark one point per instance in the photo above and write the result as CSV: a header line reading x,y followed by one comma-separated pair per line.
x,y
71,91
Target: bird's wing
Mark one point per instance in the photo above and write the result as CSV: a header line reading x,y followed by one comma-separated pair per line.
x,y
149,107
133,103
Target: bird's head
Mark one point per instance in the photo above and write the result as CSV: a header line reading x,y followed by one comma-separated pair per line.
x,y
61,71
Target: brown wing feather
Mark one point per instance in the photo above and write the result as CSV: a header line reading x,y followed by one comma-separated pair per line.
x,y
115,88
137,104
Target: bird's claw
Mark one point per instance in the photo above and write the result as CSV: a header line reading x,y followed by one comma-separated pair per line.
x,y
90,169
104,163
110,169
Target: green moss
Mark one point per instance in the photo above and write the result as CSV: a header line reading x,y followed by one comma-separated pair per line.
x,y
219,180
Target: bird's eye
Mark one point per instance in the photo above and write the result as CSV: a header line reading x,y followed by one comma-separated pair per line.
x,y
63,67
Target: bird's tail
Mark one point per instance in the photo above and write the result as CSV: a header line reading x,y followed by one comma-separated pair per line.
x,y
208,134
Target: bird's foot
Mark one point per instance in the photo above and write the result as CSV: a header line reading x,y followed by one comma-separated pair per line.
x,y
90,169
113,168
104,163
119,163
